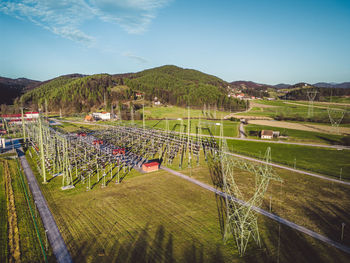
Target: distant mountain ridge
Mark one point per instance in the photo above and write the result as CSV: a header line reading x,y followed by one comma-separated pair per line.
x,y
344,85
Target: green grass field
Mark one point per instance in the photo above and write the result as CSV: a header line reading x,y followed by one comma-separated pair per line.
x,y
310,202
329,162
3,219
174,112
294,135
158,217
293,110
29,244
337,99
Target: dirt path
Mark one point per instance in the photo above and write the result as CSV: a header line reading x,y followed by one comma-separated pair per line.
x,y
301,126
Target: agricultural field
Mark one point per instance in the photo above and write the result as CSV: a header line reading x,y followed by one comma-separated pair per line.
x,y
29,249
158,217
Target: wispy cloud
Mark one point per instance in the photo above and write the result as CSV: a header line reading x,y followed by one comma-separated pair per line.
x,y
133,56
65,17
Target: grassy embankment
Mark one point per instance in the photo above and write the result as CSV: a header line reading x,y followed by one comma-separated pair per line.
x,y
161,218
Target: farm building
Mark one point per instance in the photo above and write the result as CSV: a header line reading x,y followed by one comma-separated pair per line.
x,y
150,167
266,134
101,115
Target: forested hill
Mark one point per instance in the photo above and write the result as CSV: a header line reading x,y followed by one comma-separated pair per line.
x,y
170,84
12,88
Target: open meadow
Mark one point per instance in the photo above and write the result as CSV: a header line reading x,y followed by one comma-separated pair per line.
x,y
159,217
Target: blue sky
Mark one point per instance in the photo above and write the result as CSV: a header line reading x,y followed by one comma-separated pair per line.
x,y
263,41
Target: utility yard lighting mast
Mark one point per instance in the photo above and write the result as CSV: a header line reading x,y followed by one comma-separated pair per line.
x,y
143,116
42,155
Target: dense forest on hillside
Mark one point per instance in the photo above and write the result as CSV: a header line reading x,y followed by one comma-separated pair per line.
x,y
177,86
170,84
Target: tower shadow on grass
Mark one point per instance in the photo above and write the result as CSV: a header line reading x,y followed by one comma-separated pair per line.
x,y
143,247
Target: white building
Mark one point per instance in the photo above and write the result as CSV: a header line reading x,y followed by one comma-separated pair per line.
x,y
101,115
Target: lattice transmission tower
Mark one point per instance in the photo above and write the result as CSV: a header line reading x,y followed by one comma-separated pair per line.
x,y
311,95
335,117
241,220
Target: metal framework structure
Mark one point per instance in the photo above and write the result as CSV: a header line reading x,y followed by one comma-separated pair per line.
x,y
335,117
311,95
83,156
241,220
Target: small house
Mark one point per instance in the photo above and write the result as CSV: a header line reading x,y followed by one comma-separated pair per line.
x,y
102,115
150,167
266,134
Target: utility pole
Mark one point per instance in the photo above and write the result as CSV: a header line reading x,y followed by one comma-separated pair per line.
x,y
342,231
143,116
23,127
188,136
46,108
42,156
105,101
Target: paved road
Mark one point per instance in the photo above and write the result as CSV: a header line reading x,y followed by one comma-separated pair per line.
x,y
265,213
289,168
241,131
53,234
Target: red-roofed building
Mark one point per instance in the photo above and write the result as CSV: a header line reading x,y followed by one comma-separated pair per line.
x,y
150,167
28,116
